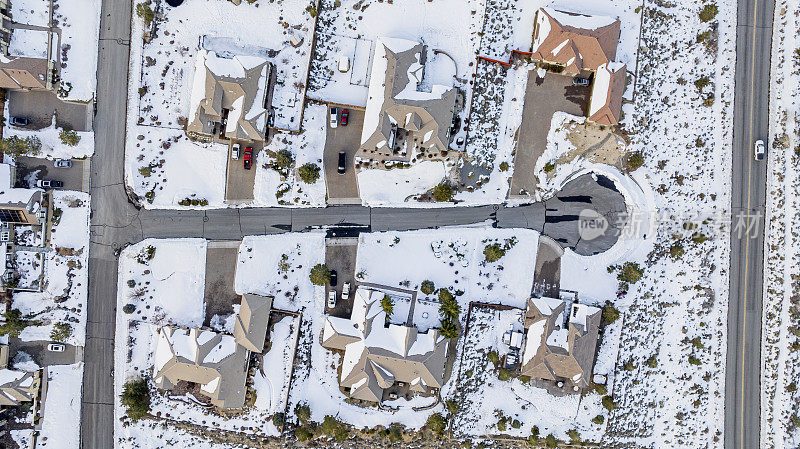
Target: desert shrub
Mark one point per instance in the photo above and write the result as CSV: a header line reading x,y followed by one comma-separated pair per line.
x,y
129,308
493,357
610,313
635,160
427,287
145,12
708,12
16,146
303,434
630,273
574,436
320,274
69,137
278,419
395,432
504,166
303,412
551,441
451,406
334,428
136,398
493,252
599,419
309,173
652,361
608,403
283,161
549,166
676,251
146,255
694,360
702,82
503,374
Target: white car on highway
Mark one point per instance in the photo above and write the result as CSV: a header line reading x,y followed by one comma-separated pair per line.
x,y
759,149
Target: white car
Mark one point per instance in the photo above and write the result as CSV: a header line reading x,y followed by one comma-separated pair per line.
x,y
759,149
56,347
344,63
332,299
235,151
62,163
334,117
346,290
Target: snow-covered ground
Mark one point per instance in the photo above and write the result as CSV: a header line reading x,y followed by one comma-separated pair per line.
x,y
306,147
64,293
28,43
52,146
165,65
62,408
31,12
168,289
79,21
396,187
780,400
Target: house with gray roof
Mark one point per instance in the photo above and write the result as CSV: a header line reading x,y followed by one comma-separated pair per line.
x,y
402,122
383,360
229,98
250,328
17,387
560,341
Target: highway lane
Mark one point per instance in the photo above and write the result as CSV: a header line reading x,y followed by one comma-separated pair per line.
x,y
751,122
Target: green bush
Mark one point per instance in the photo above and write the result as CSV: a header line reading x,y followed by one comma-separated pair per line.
x,y
610,313
303,434
652,361
146,255
312,10
14,323
600,389
129,308
574,437
451,406
493,357
694,360
283,161
635,160
551,441
443,192
516,424
608,403
629,366
533,438
599,419
60,332
427,287
387,304
309,173
503,374
69,137
136,398
449,329
549,166
278,419
493,252
676,251
320,274
333,428
395,432
702,82
704,36
303,412
504,166
144,12
437,424
16,146
630,273
708,13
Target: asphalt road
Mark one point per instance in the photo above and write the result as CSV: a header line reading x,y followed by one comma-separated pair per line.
x,y
115,222
751,122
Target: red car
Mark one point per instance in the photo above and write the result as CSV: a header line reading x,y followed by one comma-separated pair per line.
x,y
248,158
345,115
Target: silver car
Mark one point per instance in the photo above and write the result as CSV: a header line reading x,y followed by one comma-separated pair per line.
x,y
62,163
759,150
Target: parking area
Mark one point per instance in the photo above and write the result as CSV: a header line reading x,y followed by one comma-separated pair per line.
x,y
543,97
30,169
547,274
238,181
340,256
40,106
342,189
220,295
41,355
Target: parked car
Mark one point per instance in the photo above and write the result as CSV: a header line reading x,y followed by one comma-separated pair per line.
x,y
346,290
759,150
578,81
344,63
342,160
235,151
56,347
334,277
19,121
334,117
49,184
62,163
332,299
248,158
345,116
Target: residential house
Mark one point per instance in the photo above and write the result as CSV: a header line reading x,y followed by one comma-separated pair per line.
x,y
216,362
384,360
401,122
584,45
17,387
560,341
17,207
229,98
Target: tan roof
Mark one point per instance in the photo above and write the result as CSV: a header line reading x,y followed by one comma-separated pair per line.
x,y
576,41
561,340
208,358
609,85
24,73
394,103
376,355
250,328
237,85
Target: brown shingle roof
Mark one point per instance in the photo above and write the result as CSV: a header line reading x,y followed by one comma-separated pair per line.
x,y
23,73
609,85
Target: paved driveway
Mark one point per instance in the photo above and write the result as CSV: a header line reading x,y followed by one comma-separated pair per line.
x,y
340,255
38,351
71,177
342,189
238,181
39,107
221,257
543,97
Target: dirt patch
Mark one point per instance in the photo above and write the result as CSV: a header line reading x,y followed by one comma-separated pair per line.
x,y
594,143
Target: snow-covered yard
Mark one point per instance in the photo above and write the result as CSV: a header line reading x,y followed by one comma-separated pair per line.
x,y
61,303
52,145
62,408
79,21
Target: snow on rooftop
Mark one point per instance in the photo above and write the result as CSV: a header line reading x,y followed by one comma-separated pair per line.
x,y
546,305
183,344
584,21
211,386
601,88
533,339
560,46
559,338
8,375
225,348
